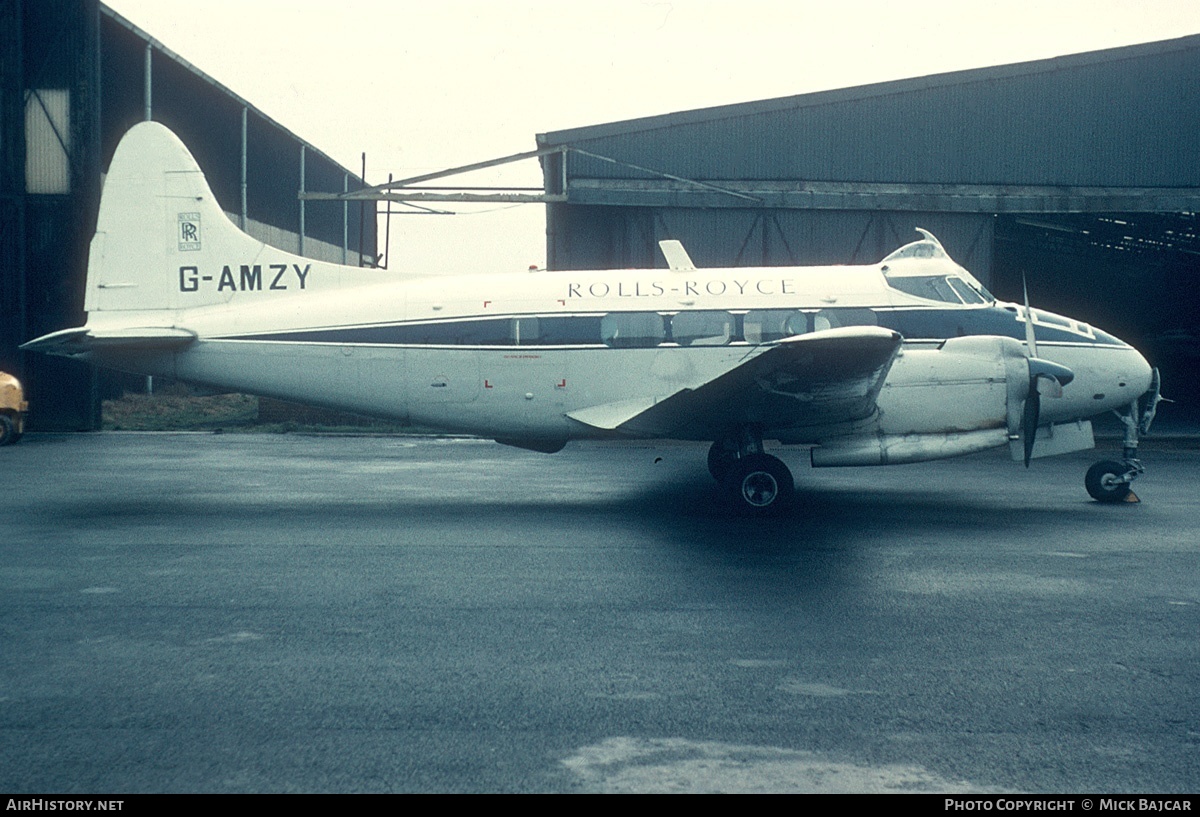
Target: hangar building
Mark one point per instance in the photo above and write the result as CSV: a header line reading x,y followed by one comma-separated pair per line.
x,y
1081,173
74,76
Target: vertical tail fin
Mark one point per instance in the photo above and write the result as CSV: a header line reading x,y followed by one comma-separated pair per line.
x,y
163,243
158,216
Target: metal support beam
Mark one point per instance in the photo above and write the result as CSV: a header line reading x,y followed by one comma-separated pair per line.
x,y
362,214
505,198
148,84
454,171
954,198
303,156
510,195
244,213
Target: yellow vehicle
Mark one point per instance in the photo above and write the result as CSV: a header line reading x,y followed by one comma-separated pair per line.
x,y
12,409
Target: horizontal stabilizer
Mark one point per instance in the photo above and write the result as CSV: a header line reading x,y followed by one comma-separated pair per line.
x,y
72,342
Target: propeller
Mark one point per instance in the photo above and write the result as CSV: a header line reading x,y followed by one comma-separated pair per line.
x,y
1044,375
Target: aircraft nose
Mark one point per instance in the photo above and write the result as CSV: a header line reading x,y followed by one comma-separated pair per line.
x,y
1135,373
1130,373
1141,377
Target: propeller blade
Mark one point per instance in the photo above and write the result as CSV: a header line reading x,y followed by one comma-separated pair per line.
x,y
1030,338
1029,421
1045,376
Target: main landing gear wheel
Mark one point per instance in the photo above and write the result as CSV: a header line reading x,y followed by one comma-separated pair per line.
x,y
759,483
8,431
721,457
1108,481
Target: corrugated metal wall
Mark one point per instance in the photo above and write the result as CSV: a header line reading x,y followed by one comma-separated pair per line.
x,y
57,131
12,188
627,237
1128,117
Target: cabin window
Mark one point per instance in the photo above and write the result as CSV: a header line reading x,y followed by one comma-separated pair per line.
x,y
703,328
632,330
524,331
833,318
455,333
1050,319
767,325
576,330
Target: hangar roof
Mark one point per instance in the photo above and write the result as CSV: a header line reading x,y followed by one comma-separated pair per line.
x,y
1084,124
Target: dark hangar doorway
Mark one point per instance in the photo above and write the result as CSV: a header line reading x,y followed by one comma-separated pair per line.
x,y
1136,275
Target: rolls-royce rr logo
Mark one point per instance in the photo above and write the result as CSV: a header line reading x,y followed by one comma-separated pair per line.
x,y
189,232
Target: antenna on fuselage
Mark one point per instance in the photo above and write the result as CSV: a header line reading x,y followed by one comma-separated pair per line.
x,y
676,255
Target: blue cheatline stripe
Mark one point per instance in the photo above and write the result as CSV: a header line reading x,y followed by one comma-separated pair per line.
x,y
586,330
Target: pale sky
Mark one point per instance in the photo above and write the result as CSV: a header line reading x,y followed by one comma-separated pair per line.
x,y
429,84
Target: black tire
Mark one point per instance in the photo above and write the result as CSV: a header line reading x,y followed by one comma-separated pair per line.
x,y
760,483
8,431
721,458
1101,481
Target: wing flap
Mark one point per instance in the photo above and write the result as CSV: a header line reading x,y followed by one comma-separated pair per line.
x,y
610,416
820,378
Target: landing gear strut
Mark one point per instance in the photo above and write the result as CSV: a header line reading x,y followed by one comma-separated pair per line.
x,y
757,482
1111,481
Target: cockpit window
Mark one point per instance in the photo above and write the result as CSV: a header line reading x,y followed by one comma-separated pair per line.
x,y
965,291
947,289
1043,318
930,287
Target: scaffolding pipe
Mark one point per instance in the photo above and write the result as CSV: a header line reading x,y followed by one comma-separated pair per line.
x,y
362,212
245,211
147,85
303,154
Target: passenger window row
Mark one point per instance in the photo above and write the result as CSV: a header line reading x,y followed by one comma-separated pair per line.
x,y
630,330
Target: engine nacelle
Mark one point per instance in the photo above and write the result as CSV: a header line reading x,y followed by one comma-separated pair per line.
x,y
893,449
965,396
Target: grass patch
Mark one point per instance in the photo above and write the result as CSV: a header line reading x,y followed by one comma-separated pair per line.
x,y
175,410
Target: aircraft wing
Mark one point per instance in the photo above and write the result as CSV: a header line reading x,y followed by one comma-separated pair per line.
x,y
815,379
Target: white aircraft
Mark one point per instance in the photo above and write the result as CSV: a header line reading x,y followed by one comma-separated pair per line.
x,y
905,360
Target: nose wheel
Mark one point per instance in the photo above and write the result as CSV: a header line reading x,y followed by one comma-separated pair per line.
x,y
1111,481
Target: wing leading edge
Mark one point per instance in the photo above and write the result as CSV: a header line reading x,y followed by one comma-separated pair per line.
x,y
820,378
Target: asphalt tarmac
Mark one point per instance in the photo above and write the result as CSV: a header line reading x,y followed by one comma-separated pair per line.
x,y
287,613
